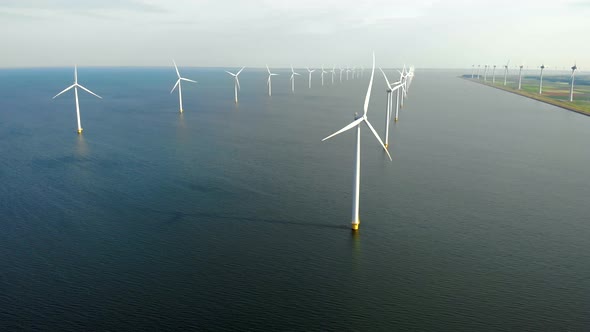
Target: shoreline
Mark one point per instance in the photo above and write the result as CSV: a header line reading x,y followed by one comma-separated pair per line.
x,y
547,100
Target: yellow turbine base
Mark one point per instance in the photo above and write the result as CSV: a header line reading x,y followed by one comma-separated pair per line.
x,y
355,227
181,110
395,120
80,130
386,145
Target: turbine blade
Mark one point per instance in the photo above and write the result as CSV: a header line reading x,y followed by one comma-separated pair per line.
x,y
386,80
238,82
176,67
397,87
377,136
368,97
64,90
349,126
240,71
232,74
175,85
186,79
267,69
75,74
90,92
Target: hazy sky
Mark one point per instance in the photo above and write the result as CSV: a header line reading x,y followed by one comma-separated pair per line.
x,y
434,34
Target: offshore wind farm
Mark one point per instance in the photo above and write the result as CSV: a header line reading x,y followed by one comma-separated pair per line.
x,y
292,166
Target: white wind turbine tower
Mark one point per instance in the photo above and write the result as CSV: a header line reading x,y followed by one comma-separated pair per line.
x,y
179,85
357,169
293,74
76,86
323,72
506,71
478,67
541,80
472,71
236,82
347,72
333,71
572,86
310,71
389,90
341,70
403,76
520,77
494,75
485,74
269,81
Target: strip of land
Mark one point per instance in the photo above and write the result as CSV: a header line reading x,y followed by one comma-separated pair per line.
x,y
582,109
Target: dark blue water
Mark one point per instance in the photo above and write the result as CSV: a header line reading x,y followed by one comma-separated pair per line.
x,y
237,217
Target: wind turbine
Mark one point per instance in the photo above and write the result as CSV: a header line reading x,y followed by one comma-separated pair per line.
x,y
333,71
472,70
179,85
358,120
310,71
572,86
520,77
485,74
323,72
389,90
541,81
341,70
402,78
347,71
293,74
76,86
237,82
506,71
494,75
478,66
269,82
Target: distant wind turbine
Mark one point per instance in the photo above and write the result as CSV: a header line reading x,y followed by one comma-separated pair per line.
x,y
389,90
293,74
506,71
472,71
333,71
494,75
76,86
179,85
236,82
541,80
323,72
269,81
341,70
572,86
478,67
358,120
485,74
520,77
310,71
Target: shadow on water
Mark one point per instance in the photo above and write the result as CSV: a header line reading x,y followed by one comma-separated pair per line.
x,y
177,216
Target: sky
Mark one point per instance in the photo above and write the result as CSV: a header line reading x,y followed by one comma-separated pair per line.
x,y
235,33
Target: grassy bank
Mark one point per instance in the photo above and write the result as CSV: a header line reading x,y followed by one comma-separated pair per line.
x,y
555,91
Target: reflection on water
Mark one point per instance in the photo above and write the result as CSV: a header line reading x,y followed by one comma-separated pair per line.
x,y
81,146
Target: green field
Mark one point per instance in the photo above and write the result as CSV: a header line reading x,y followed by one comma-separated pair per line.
x,y
556,89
